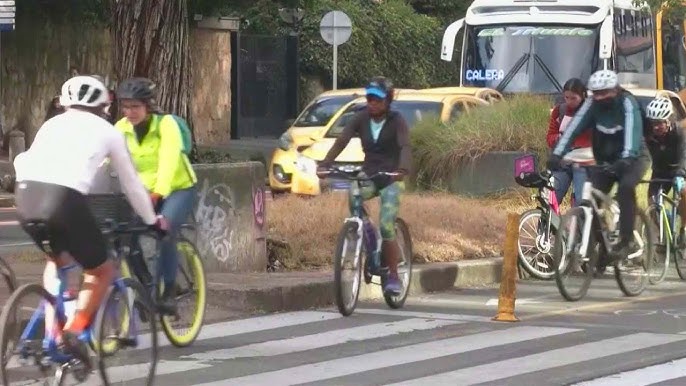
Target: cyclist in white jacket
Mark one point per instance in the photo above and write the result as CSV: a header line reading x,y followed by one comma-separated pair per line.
x,y
53,178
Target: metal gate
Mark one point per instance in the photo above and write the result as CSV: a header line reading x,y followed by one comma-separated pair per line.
x,y
266,72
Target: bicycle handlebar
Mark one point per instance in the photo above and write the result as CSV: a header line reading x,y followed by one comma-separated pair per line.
x,y
347,174
662,180
126,228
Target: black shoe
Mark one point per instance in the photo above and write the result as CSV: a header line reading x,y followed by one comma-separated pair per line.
x,y
71,344
166,305
623,249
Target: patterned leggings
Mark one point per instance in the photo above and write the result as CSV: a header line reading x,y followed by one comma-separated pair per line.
x,y
390,204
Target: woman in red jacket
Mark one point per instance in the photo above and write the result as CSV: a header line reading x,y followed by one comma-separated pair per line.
x,y
574,94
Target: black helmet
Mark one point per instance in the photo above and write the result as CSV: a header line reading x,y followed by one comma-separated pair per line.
x,y
136,88
381,87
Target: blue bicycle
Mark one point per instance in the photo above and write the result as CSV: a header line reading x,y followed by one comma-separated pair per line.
x,y
25,336
360,234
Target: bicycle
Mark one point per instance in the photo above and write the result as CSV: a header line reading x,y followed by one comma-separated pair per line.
x,y
542,222
190,282
360,233
590,230
668,231
54,311
8,275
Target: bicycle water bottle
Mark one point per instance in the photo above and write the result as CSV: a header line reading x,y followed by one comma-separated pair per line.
x,y
371,245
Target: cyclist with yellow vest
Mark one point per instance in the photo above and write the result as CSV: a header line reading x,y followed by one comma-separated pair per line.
x,y
155,142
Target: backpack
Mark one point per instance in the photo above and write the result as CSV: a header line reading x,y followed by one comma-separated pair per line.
x,y
186,138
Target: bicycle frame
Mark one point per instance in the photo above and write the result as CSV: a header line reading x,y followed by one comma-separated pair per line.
x,y
49,345
591,198
659,199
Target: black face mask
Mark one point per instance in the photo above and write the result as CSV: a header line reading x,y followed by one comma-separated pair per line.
x,y
605,103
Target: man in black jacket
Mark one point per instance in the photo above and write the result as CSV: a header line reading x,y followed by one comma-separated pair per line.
x,y
667,145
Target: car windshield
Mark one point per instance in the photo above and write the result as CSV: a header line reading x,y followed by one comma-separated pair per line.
x,y
525,58
320,112
412,111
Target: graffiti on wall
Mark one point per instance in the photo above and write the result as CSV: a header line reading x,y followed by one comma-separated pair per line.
x,y
258,206
215,217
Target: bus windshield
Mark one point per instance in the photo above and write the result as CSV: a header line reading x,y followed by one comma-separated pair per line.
x,y
525,58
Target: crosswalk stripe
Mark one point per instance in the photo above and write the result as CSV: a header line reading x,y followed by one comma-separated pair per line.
x,y
425,315
396,356
121,374
546,360
642,377
246,326
324,339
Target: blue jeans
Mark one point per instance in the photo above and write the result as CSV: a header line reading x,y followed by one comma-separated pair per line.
x,y
177,208
567,176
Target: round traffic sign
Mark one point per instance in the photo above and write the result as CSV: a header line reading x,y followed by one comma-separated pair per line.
x,y
335,28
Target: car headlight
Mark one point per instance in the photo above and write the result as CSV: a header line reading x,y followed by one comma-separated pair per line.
x,y
285,141
306,164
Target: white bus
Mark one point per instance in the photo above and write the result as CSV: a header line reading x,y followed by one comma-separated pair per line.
x,y
526,46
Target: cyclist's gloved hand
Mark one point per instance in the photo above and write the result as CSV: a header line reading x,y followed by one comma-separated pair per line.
x,y
554,162
679,183
161,226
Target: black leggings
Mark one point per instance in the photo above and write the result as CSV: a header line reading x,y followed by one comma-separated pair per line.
x,y
626,193
71,226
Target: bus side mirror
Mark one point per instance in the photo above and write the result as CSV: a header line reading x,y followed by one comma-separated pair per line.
x,y
448,45
605,49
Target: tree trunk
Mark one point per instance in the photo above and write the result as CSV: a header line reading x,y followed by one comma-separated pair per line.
x,y
151,39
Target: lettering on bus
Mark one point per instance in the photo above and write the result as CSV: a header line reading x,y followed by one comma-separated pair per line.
x,y
473,75
536,31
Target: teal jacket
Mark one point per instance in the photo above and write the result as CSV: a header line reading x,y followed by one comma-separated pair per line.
x,y
617,129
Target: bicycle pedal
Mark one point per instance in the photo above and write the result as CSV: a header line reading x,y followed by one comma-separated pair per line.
x,y
128,342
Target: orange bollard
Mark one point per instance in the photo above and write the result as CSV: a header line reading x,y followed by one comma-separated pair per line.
x,y
508,279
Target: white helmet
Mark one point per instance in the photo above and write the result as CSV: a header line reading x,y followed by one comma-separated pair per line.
x,y
84,91
659,109
603,80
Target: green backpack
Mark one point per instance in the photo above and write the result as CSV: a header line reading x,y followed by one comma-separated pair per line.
x,y
186,139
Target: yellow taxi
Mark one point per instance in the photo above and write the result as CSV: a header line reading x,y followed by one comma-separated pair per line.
x,y
488,94
307,128
414,106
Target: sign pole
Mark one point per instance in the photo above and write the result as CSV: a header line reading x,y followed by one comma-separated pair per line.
x,y
335,56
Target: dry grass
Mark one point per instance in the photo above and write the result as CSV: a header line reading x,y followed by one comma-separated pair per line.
x,y
444,227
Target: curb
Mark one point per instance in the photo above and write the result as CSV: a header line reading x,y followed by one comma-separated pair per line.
x,y
426,278
6,201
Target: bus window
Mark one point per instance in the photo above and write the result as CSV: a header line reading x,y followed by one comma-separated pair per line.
x,y
673,56
634,42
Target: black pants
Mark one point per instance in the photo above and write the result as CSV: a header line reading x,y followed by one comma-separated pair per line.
x,y
69,223
626,193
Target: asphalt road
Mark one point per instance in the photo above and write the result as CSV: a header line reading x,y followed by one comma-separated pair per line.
x,y
439,339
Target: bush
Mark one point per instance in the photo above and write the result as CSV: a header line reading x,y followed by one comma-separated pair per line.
x,y
515,124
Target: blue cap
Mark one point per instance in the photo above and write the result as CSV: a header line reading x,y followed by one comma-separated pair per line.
x,y
375,91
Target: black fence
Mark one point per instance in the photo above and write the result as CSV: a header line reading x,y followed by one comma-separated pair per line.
x,y
264,85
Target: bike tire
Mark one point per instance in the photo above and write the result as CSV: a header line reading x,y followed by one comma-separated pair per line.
x,y
141,303
346,304
8,275
528,263
642,223
679,254
566,262
198,285
397,301
659,261
8,322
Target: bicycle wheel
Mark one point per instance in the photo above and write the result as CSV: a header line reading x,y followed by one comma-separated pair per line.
x,y
573,273
349,243
23,331
661,253
8,274
191,287
535,256
127,299
404,239
632,275
679,251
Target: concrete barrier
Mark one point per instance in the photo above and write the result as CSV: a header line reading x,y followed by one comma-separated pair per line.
x,y
490,173
229,214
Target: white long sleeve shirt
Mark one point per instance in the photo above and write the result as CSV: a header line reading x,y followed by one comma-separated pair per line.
x,y
68,150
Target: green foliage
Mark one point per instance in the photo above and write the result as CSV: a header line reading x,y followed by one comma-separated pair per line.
x,y
388,39
515,124
445,10
672,9
89,12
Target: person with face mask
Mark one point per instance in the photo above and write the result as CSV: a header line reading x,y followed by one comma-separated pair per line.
x,y
617,140
666,142
386,144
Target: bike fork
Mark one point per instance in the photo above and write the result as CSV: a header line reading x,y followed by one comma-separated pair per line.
x,y
586,231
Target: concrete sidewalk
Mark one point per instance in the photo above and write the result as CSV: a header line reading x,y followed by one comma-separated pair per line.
x,y
288,291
